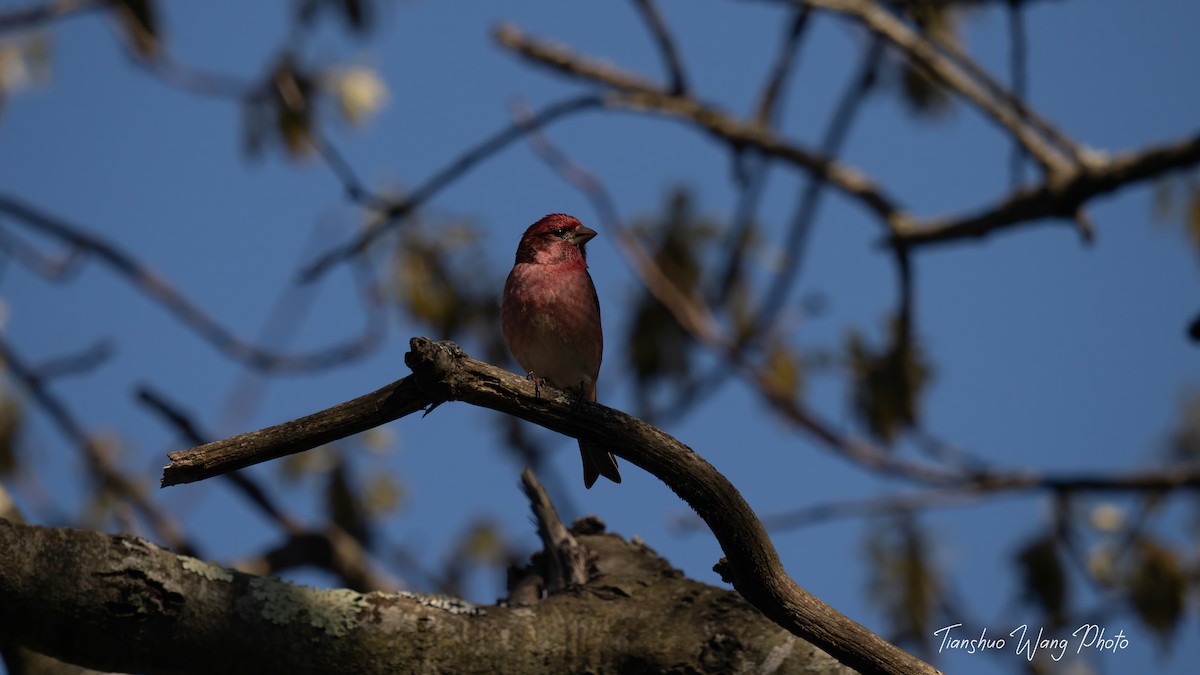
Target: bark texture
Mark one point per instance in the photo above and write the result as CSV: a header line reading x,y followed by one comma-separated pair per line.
x,y
122,604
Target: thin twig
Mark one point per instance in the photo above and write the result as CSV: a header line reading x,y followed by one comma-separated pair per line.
x,y
1053,134
195,80
355,190
666,45
59,269
1019,69
157,288
781,68
31,17
842,119
74,364
929,57
397,211
751,190
111,477
636,94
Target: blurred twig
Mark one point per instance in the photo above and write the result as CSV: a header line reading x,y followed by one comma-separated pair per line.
x,y
110,476
157,288
397,210
836,133
985,94
50,268
36,15
330,547
1019,68
666,45
755,179
634,93
73,364
1057,199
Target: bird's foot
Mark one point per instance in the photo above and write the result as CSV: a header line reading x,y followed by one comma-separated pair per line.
x,y
538,383
579,397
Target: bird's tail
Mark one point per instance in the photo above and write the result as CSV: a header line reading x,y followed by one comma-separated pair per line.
x,y
597,462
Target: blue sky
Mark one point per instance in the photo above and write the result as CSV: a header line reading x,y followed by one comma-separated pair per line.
x,y
1049,354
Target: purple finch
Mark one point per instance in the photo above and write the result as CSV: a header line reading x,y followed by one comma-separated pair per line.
x,y
551,319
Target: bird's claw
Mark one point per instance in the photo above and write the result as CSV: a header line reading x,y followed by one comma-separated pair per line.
x,y
538,383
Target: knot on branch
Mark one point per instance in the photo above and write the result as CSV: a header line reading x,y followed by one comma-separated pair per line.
x,y
437,367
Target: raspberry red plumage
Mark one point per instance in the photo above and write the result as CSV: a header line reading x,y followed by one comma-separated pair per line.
x,y
551,318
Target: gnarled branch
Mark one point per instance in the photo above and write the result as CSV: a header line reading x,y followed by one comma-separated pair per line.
x,y
443,372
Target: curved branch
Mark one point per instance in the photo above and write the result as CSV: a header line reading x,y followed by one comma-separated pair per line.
x,y
443,372
1057,199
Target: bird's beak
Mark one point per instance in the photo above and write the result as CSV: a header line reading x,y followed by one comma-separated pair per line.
x,y
583,235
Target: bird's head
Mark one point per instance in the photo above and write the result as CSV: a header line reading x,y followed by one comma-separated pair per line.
x,y
555,238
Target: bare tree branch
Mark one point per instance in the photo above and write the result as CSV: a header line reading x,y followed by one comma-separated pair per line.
x,y
73,364
836,133
442,372
1057,199
753,179
1018,65
638,95
983,94
389,403
48,267
133,607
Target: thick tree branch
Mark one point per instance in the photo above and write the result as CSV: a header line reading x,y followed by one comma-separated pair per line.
x,y
442,372
1073,177
133,607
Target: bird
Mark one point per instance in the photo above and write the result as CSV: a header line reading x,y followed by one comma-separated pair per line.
x,y
550,316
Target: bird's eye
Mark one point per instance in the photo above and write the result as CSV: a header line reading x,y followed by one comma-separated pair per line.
x,y
558,232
